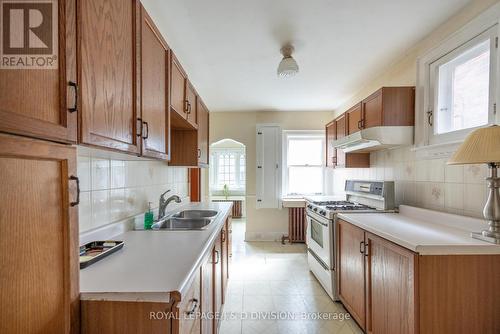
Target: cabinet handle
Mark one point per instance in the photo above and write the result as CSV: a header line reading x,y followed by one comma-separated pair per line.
x,y
189,108
186,106
217,256
75,90
147,130
199,153
366,249
429,117
139,127
74,178
223,236
359,124
362,247
195,306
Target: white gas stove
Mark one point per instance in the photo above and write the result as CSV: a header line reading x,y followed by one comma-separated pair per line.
x,y
361,196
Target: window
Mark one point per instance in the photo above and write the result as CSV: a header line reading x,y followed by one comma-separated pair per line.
x,y
304,160
460,91
227,169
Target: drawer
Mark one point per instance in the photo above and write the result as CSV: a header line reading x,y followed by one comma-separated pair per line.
x,y
189,321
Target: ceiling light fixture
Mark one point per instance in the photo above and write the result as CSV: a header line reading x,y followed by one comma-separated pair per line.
x,y
288,66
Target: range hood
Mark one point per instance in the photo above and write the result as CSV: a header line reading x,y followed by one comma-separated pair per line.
x,y
376,138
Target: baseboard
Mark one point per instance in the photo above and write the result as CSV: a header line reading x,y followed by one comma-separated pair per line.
x,y
264,236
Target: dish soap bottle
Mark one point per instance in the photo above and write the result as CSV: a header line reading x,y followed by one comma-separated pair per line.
x,y
148,218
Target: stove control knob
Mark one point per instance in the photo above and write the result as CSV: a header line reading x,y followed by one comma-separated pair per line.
x,y
323,212
315,209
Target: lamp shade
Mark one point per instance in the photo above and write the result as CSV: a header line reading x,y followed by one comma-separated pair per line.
x,y
480,146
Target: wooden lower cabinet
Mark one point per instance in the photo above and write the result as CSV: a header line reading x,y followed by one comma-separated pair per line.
x,y
351,277
195,310
207,294
39,266
403,292
390,287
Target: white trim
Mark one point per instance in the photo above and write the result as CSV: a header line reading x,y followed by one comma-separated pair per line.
x,y
307,134
486,20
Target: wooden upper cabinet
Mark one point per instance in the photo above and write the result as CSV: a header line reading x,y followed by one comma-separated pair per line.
x,y
178,80
354,119
391,292
203,132
108,74
40,102
155,111
351,270
340,131
191,105
331,152
389,106
39,265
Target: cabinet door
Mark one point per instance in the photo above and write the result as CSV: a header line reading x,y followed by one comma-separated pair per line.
x,y
39,102
224,260
354,119
191,105
177,87
189,322
372,110
203,132
154,103
108,78
207,294
341,131
331,155
217,260
351,270
39,266
390,287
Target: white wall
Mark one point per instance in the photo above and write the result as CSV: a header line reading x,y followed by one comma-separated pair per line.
x,y
113,190
262,224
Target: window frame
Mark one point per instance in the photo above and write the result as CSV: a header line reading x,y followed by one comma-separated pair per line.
x,y
427,145
490,35
214,171
302,134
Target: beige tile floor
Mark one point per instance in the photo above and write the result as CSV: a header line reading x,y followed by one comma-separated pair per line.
x,y
271,290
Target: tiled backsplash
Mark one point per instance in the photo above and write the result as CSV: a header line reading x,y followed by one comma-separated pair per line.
x,y
113,190
429,183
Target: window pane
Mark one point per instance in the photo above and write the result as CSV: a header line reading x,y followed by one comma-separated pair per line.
x,y
463,90
305,151
305,180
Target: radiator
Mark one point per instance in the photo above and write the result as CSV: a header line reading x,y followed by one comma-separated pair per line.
x,y
297,224
237,207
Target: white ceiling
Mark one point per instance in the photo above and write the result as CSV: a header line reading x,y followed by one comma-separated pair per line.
x,y
230,48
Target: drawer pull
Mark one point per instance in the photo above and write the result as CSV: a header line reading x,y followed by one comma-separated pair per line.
x,y
193,309
146,126
223,236
362,247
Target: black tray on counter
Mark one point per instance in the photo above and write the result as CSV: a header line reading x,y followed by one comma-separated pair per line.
x,y
97,250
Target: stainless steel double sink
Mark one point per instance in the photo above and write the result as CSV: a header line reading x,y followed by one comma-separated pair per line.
x,y
186,220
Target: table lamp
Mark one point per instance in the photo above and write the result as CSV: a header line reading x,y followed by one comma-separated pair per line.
x,y
482,146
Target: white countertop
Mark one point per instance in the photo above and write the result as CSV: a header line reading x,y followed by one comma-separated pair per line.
x,y
152,263
424,231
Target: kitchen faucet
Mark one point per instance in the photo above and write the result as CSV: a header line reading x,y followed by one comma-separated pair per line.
x,y
164,202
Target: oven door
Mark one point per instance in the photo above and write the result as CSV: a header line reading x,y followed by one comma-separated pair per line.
x,y
320,239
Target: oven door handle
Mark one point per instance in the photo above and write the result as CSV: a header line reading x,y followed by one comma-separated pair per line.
x,y
317,221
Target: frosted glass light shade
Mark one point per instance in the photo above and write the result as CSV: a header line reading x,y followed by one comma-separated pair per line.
x,y
288,67
480,146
